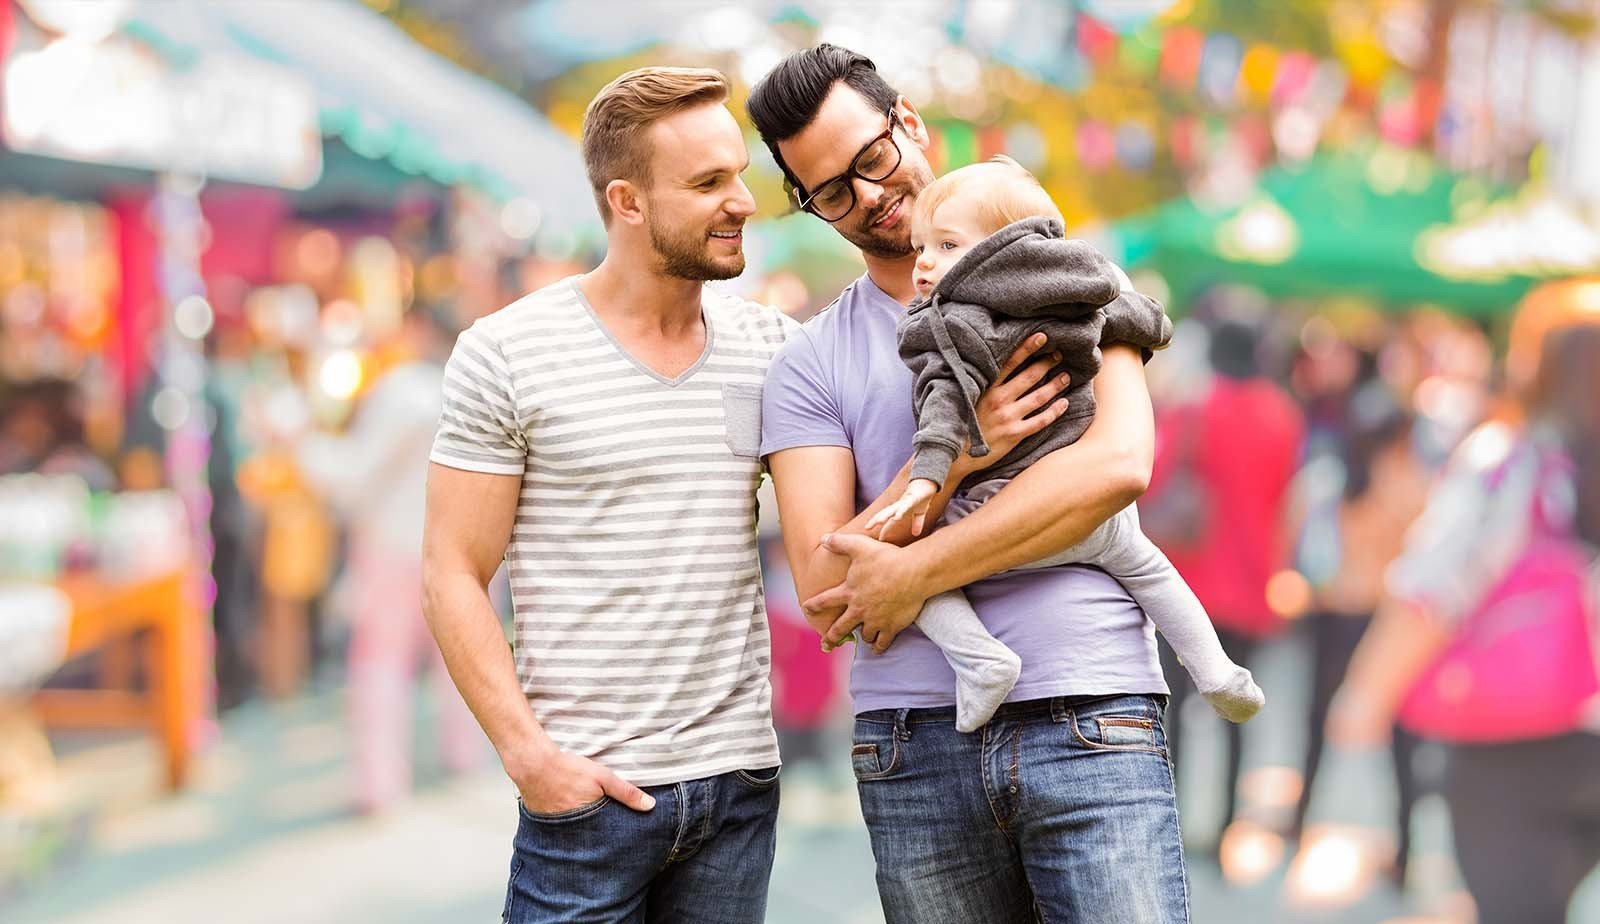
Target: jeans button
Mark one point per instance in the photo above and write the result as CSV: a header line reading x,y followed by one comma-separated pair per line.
x,y
1013,789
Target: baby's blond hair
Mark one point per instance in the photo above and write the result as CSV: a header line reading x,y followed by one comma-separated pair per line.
x,y
1007,193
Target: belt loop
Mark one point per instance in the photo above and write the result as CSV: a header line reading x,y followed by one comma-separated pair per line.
x,y
1058,709
901,731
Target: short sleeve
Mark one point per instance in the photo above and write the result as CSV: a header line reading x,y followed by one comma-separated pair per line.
x,y
478,426
797,406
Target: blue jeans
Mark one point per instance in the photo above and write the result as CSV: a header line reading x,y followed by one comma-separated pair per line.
x,y
704,853
1059,809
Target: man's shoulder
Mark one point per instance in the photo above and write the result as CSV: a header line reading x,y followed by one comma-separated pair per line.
x,y
826,331
751,319
833,321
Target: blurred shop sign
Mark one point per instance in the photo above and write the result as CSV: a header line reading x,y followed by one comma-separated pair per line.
x,y
114,101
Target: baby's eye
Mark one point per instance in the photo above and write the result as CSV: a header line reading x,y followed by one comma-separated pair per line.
x,y
947,245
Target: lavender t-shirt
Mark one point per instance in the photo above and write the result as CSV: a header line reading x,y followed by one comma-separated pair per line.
x,y
840,382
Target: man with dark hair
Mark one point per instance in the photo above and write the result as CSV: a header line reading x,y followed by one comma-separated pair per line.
x,y
1062,806
787,101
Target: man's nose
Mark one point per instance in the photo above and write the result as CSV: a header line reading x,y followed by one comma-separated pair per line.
x,y
868,195
741,204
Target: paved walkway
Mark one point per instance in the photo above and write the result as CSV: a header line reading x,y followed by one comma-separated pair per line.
x,y
265,836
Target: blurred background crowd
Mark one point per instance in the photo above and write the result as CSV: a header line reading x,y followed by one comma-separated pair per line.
x,y
238,238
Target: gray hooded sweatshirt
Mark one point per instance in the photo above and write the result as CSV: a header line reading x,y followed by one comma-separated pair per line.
x,y
1024,278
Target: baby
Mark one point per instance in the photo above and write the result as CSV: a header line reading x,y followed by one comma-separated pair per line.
x,y
994,267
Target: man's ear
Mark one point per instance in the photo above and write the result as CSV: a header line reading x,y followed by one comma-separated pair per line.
x,y
912,120
627,205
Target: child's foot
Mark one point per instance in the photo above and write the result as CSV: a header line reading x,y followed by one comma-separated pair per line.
x,y
981,690
1238,698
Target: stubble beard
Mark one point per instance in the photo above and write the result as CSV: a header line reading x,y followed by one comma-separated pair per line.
x,y
683,255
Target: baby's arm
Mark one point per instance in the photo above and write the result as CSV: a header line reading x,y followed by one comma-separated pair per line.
x,y
946,389
1137,320
941,426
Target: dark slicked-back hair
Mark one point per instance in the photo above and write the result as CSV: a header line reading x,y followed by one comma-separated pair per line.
x,y
785,101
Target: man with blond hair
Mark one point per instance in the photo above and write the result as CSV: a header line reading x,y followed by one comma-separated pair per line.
x,y
605,432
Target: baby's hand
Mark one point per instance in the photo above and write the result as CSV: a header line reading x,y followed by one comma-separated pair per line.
x,y
913,503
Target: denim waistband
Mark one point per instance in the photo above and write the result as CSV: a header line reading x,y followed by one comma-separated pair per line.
x,y
1044,707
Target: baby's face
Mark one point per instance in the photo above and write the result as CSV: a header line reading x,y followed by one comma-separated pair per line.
x,y
942,239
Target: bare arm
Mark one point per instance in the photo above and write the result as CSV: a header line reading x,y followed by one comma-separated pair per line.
x,y
1053,505
816,493
1394,651
469,521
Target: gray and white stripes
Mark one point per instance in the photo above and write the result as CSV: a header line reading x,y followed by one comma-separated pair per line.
x,y
641,633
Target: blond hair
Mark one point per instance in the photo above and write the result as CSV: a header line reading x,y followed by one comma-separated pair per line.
x,y
1006,193
620,115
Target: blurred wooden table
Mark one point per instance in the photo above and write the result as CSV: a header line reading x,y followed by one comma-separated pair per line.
x,y
161,608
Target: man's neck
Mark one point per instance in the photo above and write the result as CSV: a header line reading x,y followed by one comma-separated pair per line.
x,y
894,276
643,302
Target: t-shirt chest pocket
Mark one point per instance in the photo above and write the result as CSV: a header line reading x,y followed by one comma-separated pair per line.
x,y
741,415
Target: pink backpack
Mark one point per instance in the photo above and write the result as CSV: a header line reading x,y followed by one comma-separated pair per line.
x,y
1522,663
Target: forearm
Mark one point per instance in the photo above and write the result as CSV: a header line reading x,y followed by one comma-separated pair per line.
x,y
1399,645
480,662
1059,500
825,569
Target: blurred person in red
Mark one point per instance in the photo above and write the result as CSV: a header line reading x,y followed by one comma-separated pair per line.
x,y
1216,506
1359,495
1486,638
375,475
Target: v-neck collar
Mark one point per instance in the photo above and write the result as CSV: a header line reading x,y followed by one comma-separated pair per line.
x,y
685,375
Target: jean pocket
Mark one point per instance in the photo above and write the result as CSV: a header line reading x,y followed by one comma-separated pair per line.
x,y
874,754
759,780
569,815
1112,732
741,415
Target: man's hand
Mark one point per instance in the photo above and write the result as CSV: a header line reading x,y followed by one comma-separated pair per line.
x,y
560,782
878,593
1005,406
913,503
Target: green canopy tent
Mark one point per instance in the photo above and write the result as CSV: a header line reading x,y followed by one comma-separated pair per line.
x,y
1343,224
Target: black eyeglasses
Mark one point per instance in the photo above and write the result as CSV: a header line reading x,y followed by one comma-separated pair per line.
x,y
834,199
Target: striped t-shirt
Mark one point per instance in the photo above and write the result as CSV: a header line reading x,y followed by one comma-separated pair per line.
x,y
641,631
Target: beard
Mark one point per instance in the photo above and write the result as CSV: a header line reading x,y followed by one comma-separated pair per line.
x,y
888,243
683,253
